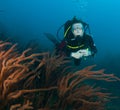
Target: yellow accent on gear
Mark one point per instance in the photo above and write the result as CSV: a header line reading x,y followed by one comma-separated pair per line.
x,y
67,31
75,47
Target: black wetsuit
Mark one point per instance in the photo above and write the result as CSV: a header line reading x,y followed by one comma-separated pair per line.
x,y
73,44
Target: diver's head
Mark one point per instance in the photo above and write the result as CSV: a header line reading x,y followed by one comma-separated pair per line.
x,y
75,27
78,29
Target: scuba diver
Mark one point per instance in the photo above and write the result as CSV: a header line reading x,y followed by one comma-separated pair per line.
x,y
77,43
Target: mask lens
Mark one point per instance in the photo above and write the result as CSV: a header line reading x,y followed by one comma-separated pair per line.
x,y
77,29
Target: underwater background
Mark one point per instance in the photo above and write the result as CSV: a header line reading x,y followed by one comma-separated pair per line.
x,y
24,21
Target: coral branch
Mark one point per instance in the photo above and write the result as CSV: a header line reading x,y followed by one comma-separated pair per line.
x,y
17,94
73,89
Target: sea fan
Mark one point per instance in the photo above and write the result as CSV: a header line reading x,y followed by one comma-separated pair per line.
x,y
44,81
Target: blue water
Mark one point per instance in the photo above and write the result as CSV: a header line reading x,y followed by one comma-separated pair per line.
x,y
25,20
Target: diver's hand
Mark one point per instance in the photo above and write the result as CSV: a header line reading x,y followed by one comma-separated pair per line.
x,y
76,55
85,52
80,53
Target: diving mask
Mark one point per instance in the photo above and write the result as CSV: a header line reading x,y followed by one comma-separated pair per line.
x,y
77,29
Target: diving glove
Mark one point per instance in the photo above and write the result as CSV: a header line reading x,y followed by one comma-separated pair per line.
x,y
81,53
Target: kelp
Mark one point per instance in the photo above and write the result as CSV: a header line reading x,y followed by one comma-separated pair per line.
x,y
44,81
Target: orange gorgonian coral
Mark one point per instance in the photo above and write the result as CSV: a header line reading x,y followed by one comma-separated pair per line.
x,y
73,89
62,89
14,67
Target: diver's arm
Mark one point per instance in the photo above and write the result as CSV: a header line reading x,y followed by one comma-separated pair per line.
x,y
92,46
